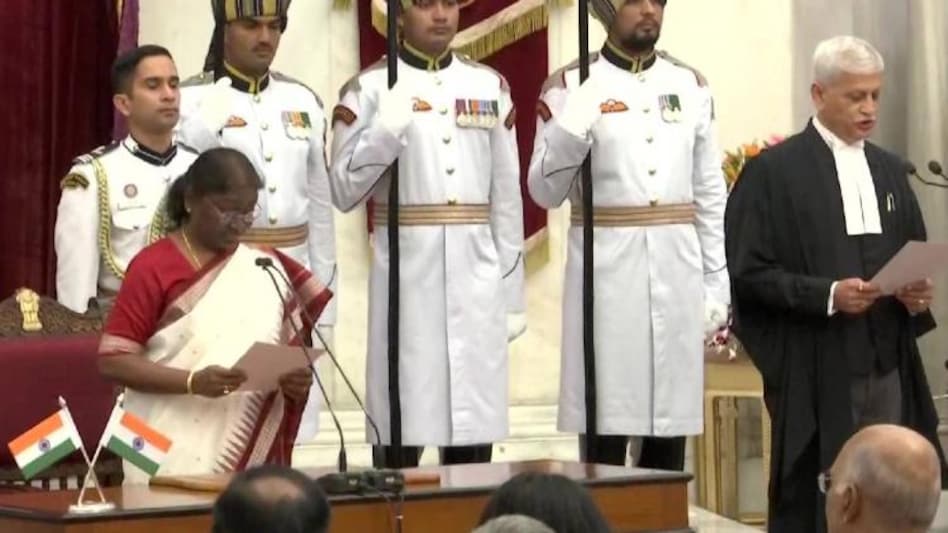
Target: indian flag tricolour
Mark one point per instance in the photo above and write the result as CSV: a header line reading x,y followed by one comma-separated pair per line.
x,y
135,441
45,444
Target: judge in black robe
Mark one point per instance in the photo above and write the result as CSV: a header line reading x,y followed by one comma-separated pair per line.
x,y
787,243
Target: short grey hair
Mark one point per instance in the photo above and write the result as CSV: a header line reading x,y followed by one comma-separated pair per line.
x,y
514,523
847,54
902,502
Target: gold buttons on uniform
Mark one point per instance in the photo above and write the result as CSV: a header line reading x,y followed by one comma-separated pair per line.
x,y
268,156
256,98
450,171
646,110
649,139
265,126
273,220
272,189
447,140
443,111
651,172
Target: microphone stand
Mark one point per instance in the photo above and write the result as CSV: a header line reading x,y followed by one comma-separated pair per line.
x,y
342,482
382,480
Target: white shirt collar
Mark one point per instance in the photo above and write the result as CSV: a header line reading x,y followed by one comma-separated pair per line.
x,y
832,140
860,206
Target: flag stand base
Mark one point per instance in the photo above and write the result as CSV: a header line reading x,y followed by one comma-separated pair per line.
x,y
91,507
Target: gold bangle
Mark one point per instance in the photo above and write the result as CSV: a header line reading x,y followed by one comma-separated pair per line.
x,y
190,377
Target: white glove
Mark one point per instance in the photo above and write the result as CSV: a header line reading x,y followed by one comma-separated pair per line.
x,y
395,109
217,105
516,325
326,331
582,109
715,316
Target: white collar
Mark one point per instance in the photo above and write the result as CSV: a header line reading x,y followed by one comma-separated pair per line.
x,y
832,140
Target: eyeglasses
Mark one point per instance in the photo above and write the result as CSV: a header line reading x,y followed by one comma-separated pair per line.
x,y
234,218
824,481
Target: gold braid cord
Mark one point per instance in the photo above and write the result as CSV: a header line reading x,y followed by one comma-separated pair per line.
x,y
159,223
156,230
105,220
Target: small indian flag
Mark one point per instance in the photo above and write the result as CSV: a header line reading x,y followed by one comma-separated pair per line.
x,y
135,441
45,444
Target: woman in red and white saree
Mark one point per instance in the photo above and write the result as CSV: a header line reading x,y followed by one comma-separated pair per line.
x,y
190,306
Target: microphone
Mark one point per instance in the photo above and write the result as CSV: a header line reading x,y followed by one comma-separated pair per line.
x,y
912,171
935,168
390,480
342,482
261,261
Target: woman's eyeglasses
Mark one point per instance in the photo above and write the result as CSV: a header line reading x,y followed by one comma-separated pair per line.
x,y
234,218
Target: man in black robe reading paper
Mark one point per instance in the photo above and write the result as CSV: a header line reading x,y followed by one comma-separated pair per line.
x,y
809,223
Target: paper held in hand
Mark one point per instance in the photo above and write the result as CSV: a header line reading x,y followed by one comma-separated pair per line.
x,y
916,261
265,363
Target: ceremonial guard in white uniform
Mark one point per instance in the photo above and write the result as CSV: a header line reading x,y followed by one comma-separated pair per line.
x,y
111,204
280,125
646,120
449,122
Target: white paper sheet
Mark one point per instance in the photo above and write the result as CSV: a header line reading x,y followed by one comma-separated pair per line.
x,y
265,363
916,261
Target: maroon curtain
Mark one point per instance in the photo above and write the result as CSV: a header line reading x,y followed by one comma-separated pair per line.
x,y
523,63
56,105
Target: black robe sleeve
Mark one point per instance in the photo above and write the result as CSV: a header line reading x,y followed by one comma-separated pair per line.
x,y
750,240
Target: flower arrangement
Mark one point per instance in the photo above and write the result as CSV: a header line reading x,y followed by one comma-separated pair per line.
x,y
721,343
735,160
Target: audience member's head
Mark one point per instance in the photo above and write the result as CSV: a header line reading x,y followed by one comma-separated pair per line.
x,y
886,478
555,500
275,499
514,523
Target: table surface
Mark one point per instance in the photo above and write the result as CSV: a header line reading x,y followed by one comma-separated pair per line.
x,y
143,501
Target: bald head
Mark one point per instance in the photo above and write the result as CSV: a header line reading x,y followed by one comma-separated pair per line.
x,y
886,478
271,498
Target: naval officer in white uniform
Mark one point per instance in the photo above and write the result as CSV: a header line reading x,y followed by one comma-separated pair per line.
x,y
111,203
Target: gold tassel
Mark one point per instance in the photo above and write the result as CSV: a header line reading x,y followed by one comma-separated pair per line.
x,y
498,38
530,22
341,4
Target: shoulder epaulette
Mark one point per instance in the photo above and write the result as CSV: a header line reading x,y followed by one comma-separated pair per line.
x,y
558,78
204,78
74,180
470,62
86,159
702,81
355,83
279,76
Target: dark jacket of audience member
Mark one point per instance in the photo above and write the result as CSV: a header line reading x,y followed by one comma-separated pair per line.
x,y
270,498
555,500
